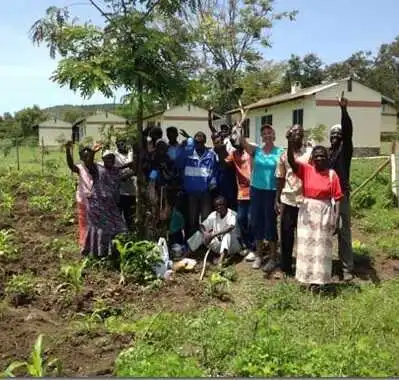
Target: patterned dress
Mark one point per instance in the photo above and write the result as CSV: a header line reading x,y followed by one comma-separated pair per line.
x,y
316,224
104,220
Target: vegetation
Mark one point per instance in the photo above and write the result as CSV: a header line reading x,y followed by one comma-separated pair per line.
x,y
187,327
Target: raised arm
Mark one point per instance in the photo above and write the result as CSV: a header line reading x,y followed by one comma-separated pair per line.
x,y
347,126
69,157
291,157
210,121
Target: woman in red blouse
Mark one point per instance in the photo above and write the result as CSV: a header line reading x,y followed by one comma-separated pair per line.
x,y
317,218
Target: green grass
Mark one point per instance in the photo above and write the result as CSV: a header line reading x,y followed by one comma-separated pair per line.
x,y
30,160
290,333
265,331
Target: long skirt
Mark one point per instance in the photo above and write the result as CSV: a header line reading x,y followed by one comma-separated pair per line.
x,y
82,218
104,223
316,223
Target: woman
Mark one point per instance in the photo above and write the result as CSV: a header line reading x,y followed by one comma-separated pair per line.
x,y
317,218
263,196
86,171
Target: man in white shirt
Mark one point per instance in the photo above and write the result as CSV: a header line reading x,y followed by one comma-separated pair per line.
x,y
219,232
124,156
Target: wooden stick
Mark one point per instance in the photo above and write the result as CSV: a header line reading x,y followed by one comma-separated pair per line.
x,y
376,172
204,265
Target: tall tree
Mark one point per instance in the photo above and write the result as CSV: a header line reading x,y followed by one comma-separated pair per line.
x,y
359,65
142,48
262,81
308,70
229,35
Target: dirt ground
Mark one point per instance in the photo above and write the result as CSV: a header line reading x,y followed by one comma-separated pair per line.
x,y
52,312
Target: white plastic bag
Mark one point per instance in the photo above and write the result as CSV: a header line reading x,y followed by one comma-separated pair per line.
x,y
165,264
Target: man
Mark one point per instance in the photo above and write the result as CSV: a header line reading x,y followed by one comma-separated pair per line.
x,y
199,168
218,232
289,197
340,157
128,186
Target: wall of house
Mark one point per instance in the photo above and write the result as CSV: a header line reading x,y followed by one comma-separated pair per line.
x,y
192,119
50,135
282,115
389,121
94,129
364,109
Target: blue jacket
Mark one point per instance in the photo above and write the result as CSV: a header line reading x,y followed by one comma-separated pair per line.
x,y
199,173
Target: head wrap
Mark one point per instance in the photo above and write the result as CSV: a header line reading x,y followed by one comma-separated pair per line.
x,y
108,153
336,128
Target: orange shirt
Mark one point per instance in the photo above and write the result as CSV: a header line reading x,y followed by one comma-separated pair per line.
x,y
243,166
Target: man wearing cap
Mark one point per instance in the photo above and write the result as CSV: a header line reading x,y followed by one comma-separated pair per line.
x,y
341,152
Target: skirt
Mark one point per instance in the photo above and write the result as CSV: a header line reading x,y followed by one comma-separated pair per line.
x,y
316,224
82,218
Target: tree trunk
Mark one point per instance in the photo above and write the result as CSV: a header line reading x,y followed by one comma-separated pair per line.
x,y
140,209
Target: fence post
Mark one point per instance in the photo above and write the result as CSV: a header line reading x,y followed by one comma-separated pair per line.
x,y
395,169
42,155
17,149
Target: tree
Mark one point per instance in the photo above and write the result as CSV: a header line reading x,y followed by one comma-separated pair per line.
x,y
262,81
308,71
28,118
358,65
318,133
142,49
228,34
385,74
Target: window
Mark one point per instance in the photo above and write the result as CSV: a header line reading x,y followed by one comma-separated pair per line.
x,y
267,119
245,126
297,116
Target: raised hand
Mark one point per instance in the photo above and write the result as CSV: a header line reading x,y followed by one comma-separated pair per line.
x,y
343,102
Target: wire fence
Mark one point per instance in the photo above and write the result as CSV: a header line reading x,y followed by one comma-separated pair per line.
x,y
33,158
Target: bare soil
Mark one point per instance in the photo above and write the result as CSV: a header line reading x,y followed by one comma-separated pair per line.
x,y
52,312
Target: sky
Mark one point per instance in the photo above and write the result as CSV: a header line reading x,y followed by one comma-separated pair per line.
x,y
333,29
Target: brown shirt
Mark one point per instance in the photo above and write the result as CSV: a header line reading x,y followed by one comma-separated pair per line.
x,y
292,193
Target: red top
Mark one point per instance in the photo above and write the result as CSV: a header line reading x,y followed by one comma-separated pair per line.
x,y
317,185
243,166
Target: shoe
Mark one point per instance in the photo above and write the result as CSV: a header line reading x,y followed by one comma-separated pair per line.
x,y
244,252
257,263
250,256
270,266
348,276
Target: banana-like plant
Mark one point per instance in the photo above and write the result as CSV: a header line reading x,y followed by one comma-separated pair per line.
x,y
36,366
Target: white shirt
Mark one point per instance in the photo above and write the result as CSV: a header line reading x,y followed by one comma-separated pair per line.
x,y
129,186
215,223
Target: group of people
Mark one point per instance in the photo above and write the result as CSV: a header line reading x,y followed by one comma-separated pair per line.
x,y
228,198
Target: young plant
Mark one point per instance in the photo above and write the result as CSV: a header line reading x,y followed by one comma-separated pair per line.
x,y
42,203
137,260
7,248
218,286
36,366
73,274
7,202
20,289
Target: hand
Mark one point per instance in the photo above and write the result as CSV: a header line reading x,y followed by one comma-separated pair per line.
x,y
207,237
277,207
343,102
184,133
97,147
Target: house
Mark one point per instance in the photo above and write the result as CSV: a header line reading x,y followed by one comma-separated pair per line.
x,y
188,117
53,131
372,114
96,125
